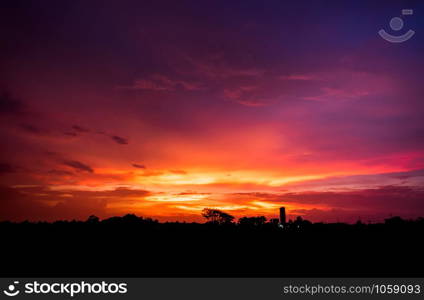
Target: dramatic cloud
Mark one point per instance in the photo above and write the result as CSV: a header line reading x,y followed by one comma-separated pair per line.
x,y
138,166
10,105
6,168
42,203
80,129
367,204
180,172
32,129
79,166
60,173
19,205
119,140
414,178
162,83
247,106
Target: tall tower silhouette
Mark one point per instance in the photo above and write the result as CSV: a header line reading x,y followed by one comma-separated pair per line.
x,y
282,215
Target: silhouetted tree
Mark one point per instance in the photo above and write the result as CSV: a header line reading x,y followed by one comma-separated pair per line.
x,y
131,218
394,221
252,221
216,216
92,219
359,223
300,223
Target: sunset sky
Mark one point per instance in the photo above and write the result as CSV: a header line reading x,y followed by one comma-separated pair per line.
x,y
163,108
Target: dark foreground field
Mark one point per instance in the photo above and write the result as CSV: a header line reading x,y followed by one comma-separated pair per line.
x,y
132,246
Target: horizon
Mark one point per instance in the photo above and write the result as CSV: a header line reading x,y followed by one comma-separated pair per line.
x,y
129,108
235,221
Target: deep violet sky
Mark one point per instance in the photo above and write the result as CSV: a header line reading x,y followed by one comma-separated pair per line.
x,y
163,108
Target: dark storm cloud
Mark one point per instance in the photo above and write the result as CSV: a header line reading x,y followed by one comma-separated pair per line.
x,y
6,168
80,129
10,105
138,166
60,172
78,166
349,205
119,140
394,178
19,204
70,133
337,215
407,175
76,130
32,129
385,200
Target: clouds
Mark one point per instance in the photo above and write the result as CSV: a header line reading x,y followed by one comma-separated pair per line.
x,y
249,98
79,166
42,203
6,168
119,140
138,166
341,85
373,204
413,178
159,82
245,95
179,172
32,129
10,105
60,173
79,130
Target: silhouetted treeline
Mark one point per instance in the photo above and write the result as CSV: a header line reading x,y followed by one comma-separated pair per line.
x,y
255,246
218,220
